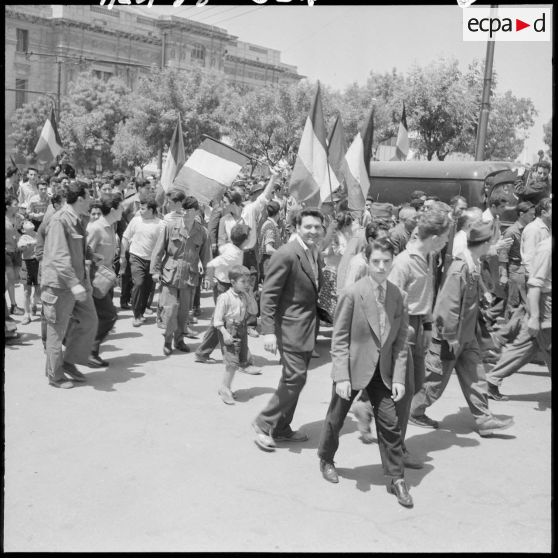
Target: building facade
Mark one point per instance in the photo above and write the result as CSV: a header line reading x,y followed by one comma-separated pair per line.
x,y
47,46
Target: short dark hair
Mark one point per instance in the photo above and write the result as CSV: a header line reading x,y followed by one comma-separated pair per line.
x,y
344,219
545,165
96,204
523,207
176,195
140,182
272,208
239,234
544,205
150,201
433,197
74,190
238,271
108,202
432,223
382,244
190,202
56,198
309,212
32,168
235,197
417,194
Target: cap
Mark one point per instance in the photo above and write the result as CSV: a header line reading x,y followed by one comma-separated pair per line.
x,y
480,232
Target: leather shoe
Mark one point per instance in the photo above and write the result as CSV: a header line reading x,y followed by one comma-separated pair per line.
x,y
399,488
488,427
72,371
264,441
328,471
95,361
205,360
182,347
294,436
167,349
250,370
411,462
63,384
494,393
125,307
423,421
227,396
190,333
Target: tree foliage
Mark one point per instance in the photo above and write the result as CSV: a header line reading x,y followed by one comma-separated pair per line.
x,y
547,129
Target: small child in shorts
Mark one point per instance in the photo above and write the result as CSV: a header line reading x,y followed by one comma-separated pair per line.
x,y
231,312
27,244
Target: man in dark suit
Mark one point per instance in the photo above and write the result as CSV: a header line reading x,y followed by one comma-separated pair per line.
x,y
369,351
288,313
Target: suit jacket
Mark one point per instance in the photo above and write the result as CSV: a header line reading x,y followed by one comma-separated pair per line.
x,y
289,298
355,344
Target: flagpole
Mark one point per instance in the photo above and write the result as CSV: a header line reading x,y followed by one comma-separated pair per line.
x,y
233,148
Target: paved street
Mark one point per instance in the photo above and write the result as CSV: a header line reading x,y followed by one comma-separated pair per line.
x,y
146,457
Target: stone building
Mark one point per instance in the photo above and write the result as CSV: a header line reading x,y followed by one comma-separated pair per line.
x,y
46,46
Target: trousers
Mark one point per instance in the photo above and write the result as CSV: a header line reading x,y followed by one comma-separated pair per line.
x,y
175,305
387,427
107,316
70,319
211,336
141,278
470,373
519,352
276,418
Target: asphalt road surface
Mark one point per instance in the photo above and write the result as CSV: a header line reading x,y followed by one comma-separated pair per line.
x,y
146,457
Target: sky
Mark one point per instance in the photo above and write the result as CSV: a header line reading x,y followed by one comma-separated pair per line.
x,y
341,44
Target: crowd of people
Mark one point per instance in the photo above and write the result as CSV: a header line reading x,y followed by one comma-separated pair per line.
x,y
412,293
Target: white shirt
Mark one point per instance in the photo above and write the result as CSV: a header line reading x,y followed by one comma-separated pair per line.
x,y
250,215
532,235
459,243
229,256
142,235
487,216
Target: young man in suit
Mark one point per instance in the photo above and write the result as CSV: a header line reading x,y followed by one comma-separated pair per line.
x,y
369,351
288,313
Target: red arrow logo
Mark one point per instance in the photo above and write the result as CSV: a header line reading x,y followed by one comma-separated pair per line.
x,y
519,25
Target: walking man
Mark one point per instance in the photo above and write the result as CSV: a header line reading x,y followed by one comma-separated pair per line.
x,y
369,352
288,309
66,291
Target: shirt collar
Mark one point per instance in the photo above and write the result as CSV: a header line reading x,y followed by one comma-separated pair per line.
x,y
70,209
103,222
540,223
375,284
413,250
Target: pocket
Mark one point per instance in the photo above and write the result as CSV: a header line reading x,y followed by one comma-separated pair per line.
x,y
49,306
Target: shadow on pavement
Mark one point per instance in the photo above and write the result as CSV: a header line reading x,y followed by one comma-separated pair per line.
x,y
244,395
124,335
119,371
543,398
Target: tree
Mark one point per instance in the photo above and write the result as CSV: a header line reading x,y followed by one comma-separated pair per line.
x,y
95,109
153,108
28,121
509,120
439,107
129,149
547,128
267,123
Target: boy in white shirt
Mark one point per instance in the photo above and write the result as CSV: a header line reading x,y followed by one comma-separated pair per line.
x,y
231,311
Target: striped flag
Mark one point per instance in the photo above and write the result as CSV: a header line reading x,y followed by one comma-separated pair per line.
x,y
210,169
402,143
175,158
312,179
49,145
358,182
337,147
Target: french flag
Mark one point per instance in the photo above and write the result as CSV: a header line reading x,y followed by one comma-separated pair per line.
x,y
49,145
210,170
175,158
402,143
313,180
